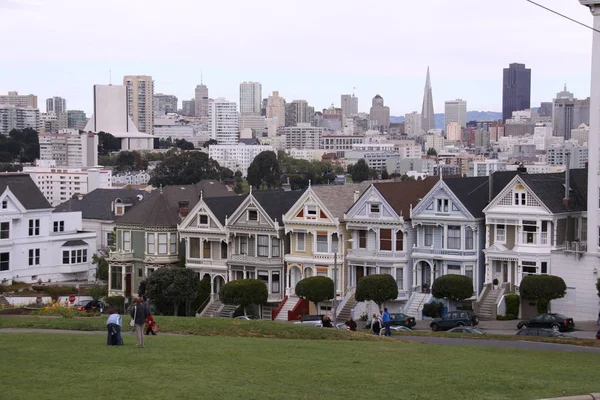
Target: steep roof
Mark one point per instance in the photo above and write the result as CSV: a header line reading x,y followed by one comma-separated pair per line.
x,y
223,207
550,189
473,192
339,198
25,189
191,193
97,204
401,195
277,203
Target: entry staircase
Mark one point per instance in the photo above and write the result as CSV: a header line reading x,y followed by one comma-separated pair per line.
x,y
4,302
226,311
346,306
416,305
212,309
287,306
487,305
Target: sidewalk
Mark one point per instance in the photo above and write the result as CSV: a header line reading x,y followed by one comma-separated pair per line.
x,y
586,326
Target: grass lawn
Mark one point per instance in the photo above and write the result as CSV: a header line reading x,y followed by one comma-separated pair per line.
x,y
61,366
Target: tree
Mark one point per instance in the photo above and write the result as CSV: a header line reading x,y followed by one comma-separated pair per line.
x,y
226,174
431,152
264,170
202,294
170,286
542,289
208,143
244,293
98,291
125,161
101,267
377,288
107,143
184,168
360,171
184,144
384,175
238,188
452,287
315,289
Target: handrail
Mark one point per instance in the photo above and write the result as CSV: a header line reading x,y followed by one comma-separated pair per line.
x,y
199,310
301,308
343,302
276,312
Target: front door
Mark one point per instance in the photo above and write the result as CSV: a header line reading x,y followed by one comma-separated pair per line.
x,y
501,272
360,272
128,284
295,277
425,274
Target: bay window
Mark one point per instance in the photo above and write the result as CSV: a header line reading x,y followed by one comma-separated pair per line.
x,y
127,240
454,237
162,243
263,246
150,241
300,239
469,238
428,232
322,242
194,248
173,238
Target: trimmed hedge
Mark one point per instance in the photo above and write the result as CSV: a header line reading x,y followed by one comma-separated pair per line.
x,y
433,309
452,287
512,304
542,289
244,292
315,289
378,288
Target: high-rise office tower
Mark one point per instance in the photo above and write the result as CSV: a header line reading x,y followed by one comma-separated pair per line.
x,y
427,116
164,104
202,102
455,111
76,119
250,98
349,105
412,124
224,121
188,107
298,112
516,89
568,113
56,105
276,108
380,114
140,97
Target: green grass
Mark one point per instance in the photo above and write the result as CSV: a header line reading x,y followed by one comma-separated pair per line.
x,y
60,366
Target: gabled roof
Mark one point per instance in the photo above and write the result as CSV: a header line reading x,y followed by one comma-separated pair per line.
x,y
276,203
401,195
339,198
223,207
25,190
97,204
473,192
191,193
550,189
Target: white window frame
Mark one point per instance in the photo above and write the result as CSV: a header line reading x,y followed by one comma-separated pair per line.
x,y
275,247
7,230
262,246
317,242
500,238
4,204
250,219
469,238
34,257
432,230
400,278
442,205
151,243
163,243
303,242
199,220
456,240
127,240
374,208
173,243
34,227
244,244
309,208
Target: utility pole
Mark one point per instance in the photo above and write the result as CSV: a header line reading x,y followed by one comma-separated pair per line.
x,y
334,285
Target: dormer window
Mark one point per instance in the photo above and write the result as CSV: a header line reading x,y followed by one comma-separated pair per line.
x,y
252,215
119,210
520,198
374,208
4,204
311,212
442,205
202,219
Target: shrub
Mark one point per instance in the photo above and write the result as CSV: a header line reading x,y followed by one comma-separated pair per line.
x,y
377,288
201,296
315,289
452,287
56,291
542,289
117,302
512,304
172,286
433,309
3,288
244,292
97,291
598,286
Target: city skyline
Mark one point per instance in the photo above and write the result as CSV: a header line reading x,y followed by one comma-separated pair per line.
x,y
51,71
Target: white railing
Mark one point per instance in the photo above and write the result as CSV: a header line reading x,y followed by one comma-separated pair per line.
x,y
343,302
444,252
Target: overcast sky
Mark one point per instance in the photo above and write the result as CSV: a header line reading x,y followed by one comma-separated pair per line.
x,y
306,49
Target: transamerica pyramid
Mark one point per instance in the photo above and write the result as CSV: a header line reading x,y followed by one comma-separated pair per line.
x,y
427,117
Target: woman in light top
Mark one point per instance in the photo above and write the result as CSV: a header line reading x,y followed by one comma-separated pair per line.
x,y
114,323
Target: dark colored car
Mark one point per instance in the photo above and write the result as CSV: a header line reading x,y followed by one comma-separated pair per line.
x,y
541,332
91,306
398,319
454,318
557,322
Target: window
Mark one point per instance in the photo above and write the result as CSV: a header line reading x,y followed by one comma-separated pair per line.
x,y
469,271
454,270
173,248
4,204
206,249
385,239
529,267
275,282
322,243
263,246
84,257
399,241
375,208
275,249
66,257
335,243
4,230
34,256
252,215
151,243
442,205
34,227
243,244
194,248
119,210
4,261
140,273
362,239
59,226
203,219
469,238
73,256
429,236
311,212
520,198
400,278
501,233
544,267
454,237
300,239
223,250
162,243
127,241
321,271
116,278
263,276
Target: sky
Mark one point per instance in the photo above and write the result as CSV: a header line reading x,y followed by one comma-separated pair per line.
x,y
305,49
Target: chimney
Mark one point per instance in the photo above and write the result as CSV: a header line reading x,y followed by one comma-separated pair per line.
x,y
567,183
491,186
356,195
184,208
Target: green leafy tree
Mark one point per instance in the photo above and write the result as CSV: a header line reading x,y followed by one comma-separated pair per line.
x,y
377,288
452,287
385,175
101,267
315,289
431,152
202,294
227,175
264,170
209,142
184,144
8,167
238,187
107,144
360,171
171,287
184,168
542,289
244,293
98,291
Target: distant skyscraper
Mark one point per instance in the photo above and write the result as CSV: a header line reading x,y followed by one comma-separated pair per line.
x,y
56,105
140,97
349,105
412,124
455,111
276,108
454,132
380,114
516,90
164,104
298,112
76,119
250,98
15,99
427,116
224,121
188,107
201,101
568,113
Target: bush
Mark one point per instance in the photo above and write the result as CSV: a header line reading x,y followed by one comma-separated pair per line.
x,y
117,302
542,289
97,291
3,288
201,296
56,291
506,317
315,289
433,310
512,304
377,288
452,287
244,292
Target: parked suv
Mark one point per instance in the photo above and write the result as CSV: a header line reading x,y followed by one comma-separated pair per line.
x,y
315,320
556,322
454,318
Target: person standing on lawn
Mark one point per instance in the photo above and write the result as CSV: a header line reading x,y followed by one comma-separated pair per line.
x,y
387,322
139,315
114,323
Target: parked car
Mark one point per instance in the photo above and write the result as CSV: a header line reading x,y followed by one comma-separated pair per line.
x,y
314,320
543,332
467,329
247,318
557,322
91,306
398,319
397,328
454,318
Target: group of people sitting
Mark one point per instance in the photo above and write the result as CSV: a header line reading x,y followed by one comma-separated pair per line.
x,y
142,322
326,323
